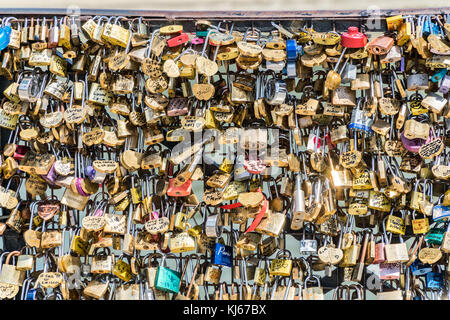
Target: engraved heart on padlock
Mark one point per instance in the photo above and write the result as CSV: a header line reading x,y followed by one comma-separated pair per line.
x,y
131,159
313,60
227,53
50,279
48,209
75,115
8,291
32,238
430,255
250,199
329,254
203,91
137,118
212,197
170,67
11,202
188,60
119,61
249,49
441,171
151,67
205,66
12,108
28,134
63,168
156,102
157,84
93,223
431,148
95,136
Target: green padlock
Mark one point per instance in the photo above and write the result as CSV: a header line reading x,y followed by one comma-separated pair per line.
x,y
167,280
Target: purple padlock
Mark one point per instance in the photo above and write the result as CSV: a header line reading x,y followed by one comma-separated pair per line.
x,y
95,176
90,172
79,188
413,145
51,176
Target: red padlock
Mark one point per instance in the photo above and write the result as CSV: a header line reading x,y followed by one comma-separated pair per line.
x,y
20,152
353,38
181,191
176,41
330,144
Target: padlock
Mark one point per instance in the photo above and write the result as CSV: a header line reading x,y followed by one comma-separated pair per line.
x,y
308,246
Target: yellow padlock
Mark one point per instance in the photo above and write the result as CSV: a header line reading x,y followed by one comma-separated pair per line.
x,y
282,264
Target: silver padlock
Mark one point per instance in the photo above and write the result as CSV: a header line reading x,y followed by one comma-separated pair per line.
x,y
434,102
349,73
275,91
298,205
445,84
308,246
240,173
28,89
291,69
359,121
418,81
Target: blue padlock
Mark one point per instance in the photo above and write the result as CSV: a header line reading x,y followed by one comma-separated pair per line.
x,y
292,52
440,212
223,255
31,294
426,30
435,280
419,269
438,75
291,49
5,33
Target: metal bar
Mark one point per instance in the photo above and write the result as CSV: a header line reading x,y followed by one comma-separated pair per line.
x,y
233,15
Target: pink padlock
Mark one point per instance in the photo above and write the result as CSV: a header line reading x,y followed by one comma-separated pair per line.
x,y
198,40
